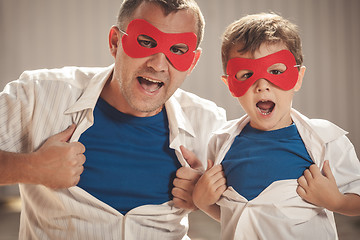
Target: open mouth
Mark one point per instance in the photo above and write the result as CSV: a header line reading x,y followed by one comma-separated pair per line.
x,y
265,107
149,85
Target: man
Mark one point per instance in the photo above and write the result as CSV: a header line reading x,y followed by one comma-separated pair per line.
x,y
122,114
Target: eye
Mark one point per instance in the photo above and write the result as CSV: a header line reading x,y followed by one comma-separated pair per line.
x,y
276,72
277,69
146,41
179,49
243,75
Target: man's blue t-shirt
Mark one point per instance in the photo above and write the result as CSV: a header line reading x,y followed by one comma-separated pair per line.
x,y
128,159
258,158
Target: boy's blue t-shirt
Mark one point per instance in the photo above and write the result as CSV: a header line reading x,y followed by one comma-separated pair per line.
x,y
128,159
258,158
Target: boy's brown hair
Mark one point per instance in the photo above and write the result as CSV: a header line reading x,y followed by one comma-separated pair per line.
x,y
253,30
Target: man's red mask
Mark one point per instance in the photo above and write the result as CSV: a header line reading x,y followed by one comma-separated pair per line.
x,y
166,43
259,68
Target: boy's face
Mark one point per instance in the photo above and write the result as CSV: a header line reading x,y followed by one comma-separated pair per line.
x,y
267,105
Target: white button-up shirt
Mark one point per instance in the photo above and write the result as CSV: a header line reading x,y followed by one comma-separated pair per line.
x,y
278,212
44,102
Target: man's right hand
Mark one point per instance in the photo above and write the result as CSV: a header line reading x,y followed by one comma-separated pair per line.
x,y
57,163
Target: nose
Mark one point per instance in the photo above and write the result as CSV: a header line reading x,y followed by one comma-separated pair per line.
x,y
262,85
158,62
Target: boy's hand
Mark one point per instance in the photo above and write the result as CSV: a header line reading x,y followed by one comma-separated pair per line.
x,y
210,186
186,178
320,189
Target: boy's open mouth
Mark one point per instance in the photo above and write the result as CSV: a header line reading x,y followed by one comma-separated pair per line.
x,y
149,85
265,107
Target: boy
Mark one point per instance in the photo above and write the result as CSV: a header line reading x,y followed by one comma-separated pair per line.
x,y
265,152
131,117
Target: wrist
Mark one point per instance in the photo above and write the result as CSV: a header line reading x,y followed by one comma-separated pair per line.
x,y
26,168
338,203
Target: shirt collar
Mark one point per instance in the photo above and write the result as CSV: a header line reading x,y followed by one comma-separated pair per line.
x,y
92,91
320,129
177,117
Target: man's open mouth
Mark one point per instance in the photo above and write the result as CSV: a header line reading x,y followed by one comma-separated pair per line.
x,y
150,85
265,107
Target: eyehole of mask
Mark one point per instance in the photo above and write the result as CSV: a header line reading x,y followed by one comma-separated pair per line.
x,y
243,75
277,68
179,49
146,41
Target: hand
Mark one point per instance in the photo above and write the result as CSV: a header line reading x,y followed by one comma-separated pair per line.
x,y
57,163
320,189
209,187
186,178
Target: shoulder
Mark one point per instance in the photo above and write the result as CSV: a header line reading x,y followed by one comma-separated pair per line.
x,y
76,76
323,129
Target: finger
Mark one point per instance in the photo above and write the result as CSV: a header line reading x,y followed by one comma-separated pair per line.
x,y
179,203
327,170
215,170
221,189
81,159
220,183
315,171
219,176
80,147
65,135
180,193
78,171
191,158
76,181
308,176
183,184
302,182
210,164
301,191
188,174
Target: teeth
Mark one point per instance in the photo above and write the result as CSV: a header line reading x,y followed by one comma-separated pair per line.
x,y
265,108
264,113
151,80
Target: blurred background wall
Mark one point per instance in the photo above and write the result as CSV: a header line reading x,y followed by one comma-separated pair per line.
x,y
54,33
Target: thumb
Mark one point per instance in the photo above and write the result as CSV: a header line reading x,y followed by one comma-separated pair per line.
x,y
191,158
65,135
327,170
210,164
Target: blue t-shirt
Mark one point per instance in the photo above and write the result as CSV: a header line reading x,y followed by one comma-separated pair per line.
x,y
258,158
128,159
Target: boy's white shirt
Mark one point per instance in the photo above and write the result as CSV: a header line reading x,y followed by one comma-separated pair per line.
x,y
67,96
278,212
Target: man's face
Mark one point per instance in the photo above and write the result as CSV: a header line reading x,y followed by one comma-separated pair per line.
x,y
267,104
144,84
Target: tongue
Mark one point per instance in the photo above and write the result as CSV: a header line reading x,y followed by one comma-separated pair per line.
x,y
149,86
265,105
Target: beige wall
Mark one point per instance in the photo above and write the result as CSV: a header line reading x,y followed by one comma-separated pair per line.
x,y
54,33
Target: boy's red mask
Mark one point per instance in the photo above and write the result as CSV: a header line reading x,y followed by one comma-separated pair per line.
x,y
164,43
259,69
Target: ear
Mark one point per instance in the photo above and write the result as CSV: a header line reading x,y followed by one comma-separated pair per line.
x,y
300,78
196,59
114,40
224,78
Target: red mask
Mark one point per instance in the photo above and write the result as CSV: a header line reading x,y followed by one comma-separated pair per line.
x,y
259,68
160,42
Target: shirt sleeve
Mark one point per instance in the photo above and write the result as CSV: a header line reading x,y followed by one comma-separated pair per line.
x,y
16,104
344,164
